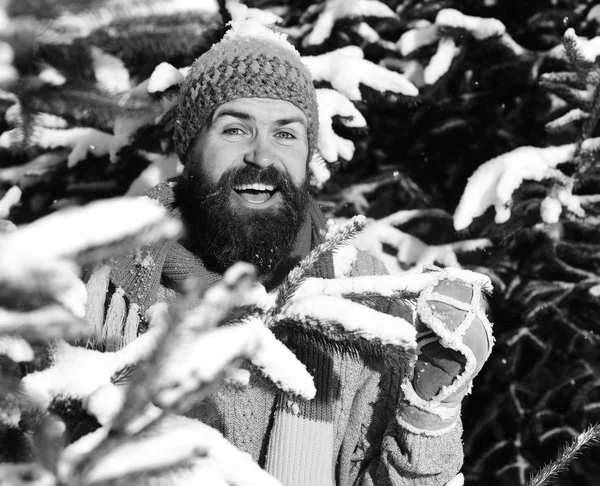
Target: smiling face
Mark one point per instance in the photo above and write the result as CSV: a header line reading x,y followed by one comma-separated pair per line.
x,y
257,133
247,173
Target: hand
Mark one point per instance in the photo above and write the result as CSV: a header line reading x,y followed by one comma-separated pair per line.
x,y
454,340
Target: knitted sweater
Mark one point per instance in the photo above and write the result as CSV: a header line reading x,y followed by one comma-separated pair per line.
x,y
357,402
349,434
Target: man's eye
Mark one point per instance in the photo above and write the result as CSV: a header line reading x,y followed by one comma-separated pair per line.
x,y
233,131
287,135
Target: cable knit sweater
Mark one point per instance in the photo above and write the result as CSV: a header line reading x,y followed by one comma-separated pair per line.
x,y
349,434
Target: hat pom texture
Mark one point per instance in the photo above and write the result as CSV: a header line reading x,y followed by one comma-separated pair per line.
x,y
251,61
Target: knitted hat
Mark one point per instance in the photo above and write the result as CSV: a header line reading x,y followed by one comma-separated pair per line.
x,y
251,61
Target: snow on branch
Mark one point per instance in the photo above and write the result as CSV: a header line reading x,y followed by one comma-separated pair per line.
x,y
480,28
37,261
448,18
345,69
239,11
110,71
332,103
334,10
441,60
10,199
401,286
279,364
578,50
48,322
68,233
410,250
81,141
356,320
27,174
161,168
163,77
202,360
187,448
494,182
238,281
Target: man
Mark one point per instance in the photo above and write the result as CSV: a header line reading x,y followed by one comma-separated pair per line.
x,y
246,127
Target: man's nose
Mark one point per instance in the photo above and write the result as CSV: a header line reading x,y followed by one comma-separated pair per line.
x,y
260,153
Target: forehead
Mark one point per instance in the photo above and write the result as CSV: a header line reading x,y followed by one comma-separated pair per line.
x,y
261,109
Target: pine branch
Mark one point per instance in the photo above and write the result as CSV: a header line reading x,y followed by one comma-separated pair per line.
x,y
575,54
293,280
177,39
79,103
585,439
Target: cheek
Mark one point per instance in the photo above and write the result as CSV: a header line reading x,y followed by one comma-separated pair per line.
x,y
213,160
297,167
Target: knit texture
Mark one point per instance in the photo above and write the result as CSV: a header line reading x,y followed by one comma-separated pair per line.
x,y
247,63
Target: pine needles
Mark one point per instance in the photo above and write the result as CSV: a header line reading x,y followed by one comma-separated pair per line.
x,y
295,278
587,438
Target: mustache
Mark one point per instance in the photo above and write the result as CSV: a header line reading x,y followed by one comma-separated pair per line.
x,y
250,175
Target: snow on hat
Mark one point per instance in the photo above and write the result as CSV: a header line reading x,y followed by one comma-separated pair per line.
x,y
251,61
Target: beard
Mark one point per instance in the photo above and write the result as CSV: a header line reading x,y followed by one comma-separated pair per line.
x,y
226,232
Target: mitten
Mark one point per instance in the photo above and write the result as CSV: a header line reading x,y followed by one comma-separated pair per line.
x,y
454,339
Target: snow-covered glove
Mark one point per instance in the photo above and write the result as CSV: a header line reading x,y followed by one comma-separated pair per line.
x,y
454,340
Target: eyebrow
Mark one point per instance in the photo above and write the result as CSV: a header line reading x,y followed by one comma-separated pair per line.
x,y
242,115
287,121
236,114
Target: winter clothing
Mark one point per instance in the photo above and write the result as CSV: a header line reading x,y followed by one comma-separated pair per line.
x,y
353,432
250,62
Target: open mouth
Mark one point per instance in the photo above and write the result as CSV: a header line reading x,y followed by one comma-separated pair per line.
x,y
255,193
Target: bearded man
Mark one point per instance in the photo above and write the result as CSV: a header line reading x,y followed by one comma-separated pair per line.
x,y
246,128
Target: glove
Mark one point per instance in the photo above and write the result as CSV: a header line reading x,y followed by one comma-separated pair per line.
x,y
454,340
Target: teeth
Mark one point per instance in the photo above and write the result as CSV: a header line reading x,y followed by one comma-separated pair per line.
x,y
254,187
